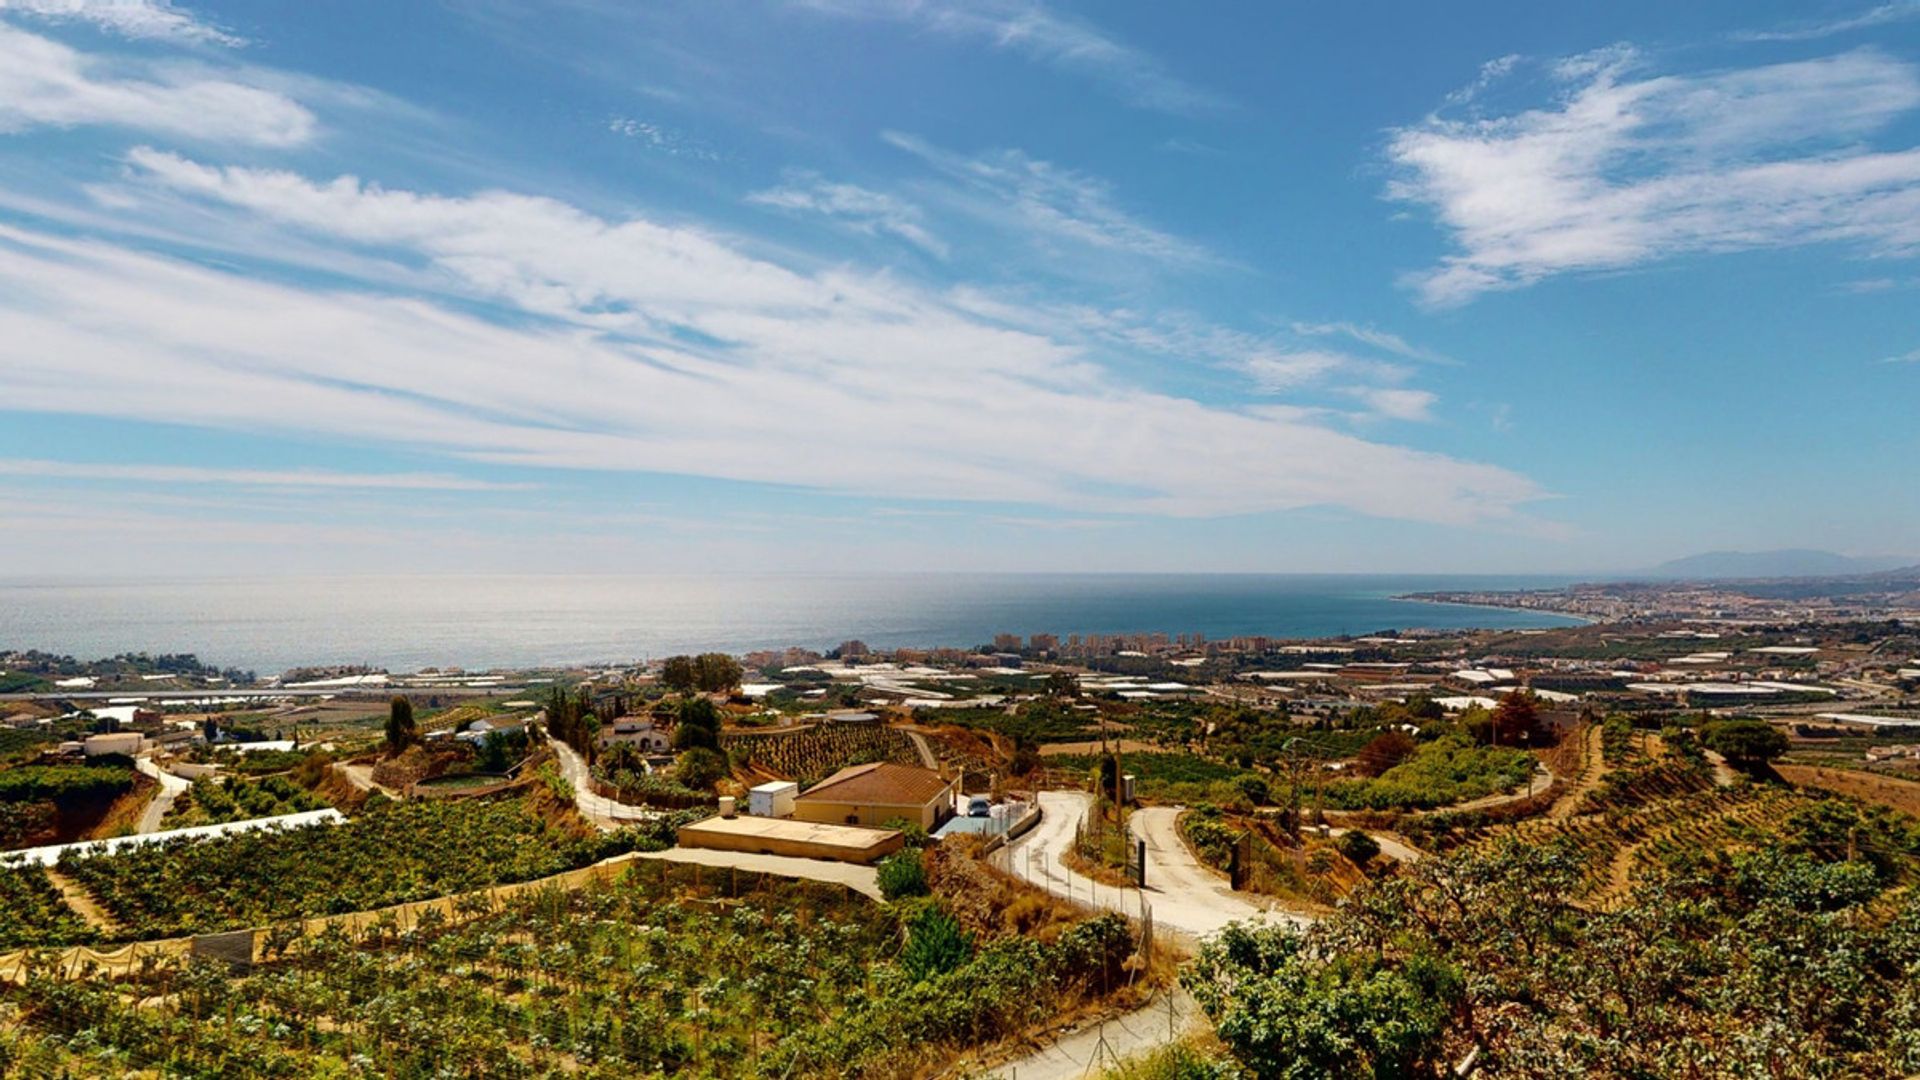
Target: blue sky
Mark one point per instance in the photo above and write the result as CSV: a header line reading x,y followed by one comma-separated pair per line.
x,y
906,284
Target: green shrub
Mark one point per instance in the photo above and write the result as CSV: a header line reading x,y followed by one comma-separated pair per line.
x,y
903,874
1359,848
936,944
1211,838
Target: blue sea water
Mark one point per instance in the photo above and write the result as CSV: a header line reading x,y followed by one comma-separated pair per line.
x,y
478,621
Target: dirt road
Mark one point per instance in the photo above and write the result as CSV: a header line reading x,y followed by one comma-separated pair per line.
x,y
1168,1016
361,776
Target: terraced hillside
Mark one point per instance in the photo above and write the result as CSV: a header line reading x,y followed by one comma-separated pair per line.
x,y
1660,816
814,753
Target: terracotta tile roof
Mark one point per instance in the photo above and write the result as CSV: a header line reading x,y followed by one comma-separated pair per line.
x,y
880,783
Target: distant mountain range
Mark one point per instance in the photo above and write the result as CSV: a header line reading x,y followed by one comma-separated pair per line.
x,y
1787,563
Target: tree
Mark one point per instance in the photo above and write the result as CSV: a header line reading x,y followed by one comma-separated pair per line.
x,y
1515,719
677,673
700,768
402,732
716,672
1745,742
571,719
1384,751
1063,684
1026,755
1254,789
697,726
1359,848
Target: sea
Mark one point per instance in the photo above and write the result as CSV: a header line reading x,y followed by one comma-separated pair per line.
x,y
404,623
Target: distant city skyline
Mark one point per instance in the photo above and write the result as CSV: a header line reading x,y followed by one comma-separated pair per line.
x,y
850,285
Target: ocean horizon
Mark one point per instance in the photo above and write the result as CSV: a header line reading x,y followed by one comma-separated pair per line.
x,y
406,622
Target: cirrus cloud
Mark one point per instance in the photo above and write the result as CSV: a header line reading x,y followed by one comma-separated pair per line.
x,y
1625,169
658,349
44,83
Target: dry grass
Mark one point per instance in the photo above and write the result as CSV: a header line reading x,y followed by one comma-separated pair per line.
x,y
1900,795
123,815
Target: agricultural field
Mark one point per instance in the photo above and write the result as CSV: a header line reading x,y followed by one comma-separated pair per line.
x,y
388,855
21,743
1754,961
1893,791
1166,776
1035,722
1648,821
35,913
260,762
61,783
655,973
812,754
236,798
1442,772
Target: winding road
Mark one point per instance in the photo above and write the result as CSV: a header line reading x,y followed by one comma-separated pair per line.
x,y
602,811
171,788
1182,895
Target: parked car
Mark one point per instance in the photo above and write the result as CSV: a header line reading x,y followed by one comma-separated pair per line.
x,y
979,806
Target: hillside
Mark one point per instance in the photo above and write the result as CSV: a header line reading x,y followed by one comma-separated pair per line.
x,y
1783,563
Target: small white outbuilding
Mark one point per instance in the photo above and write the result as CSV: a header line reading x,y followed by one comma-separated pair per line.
x,y
772,799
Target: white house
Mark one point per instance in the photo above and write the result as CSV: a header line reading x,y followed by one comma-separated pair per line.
x,y
772,799
128,743
638,731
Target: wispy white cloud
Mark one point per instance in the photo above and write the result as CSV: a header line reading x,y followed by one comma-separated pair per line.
x,y
1394,403
1050,202
1367,335
663,140
44,83
861,209
1912,357
662,349
131,18
1879,15
1625,169
1867,286
278,478
1035,30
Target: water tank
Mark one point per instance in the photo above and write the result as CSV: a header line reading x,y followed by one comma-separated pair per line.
x,y
726,806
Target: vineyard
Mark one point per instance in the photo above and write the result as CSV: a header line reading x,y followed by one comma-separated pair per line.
x,y
1662,815
655,973
57,783
35,912
407,851
813,754
238,799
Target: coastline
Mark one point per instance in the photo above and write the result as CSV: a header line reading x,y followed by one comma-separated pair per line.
x,y
1584,620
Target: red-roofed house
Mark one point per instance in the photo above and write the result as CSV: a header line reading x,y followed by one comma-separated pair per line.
x,y
877,793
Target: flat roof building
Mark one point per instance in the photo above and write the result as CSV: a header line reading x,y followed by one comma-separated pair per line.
x,y
798,839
